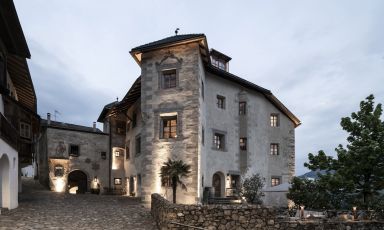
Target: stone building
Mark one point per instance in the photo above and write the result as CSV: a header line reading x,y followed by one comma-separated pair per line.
x,y
187,106
19,122
72,158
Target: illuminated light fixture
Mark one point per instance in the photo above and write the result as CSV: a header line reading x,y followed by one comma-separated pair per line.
x,y
117,154
95,179
302,211
354,213
59,185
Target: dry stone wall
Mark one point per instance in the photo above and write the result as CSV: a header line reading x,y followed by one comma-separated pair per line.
x,y
228,217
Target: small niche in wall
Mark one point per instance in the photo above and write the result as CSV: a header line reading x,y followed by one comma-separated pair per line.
x,y
59,171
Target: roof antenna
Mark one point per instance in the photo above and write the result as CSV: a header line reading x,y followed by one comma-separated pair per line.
x,y
177,31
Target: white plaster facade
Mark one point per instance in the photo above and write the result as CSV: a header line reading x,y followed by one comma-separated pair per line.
x,y
8,176
194,101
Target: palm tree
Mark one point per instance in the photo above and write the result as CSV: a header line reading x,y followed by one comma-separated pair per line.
x,y
171,173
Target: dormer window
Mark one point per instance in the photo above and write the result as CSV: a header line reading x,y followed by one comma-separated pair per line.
x,y
219,60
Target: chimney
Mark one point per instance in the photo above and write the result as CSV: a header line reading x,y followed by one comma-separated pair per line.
x,y
48,118
94,126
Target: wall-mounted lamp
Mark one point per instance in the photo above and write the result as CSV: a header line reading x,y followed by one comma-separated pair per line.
x,y
227,176
95,179
354,212
117,154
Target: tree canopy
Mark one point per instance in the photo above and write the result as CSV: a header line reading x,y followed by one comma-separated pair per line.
x,y
358,170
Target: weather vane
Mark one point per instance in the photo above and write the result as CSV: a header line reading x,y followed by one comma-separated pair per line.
x,y
177,31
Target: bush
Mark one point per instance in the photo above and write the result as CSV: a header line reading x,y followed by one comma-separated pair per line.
x,y
251,188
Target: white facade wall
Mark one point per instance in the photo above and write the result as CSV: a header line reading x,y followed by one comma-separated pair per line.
x,y
9,165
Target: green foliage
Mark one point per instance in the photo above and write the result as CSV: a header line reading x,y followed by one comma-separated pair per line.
x,y
172,172
251,188
358,170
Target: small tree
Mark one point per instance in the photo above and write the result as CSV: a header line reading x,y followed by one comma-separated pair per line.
x,y
251,188
171,173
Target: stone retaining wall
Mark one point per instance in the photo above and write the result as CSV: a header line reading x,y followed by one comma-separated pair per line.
x,y
223,217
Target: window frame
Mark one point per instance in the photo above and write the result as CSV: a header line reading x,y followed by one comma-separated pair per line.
x,y
103,155
121,127
26,131
167,119
274,179
137,145
220,138
274,151
220,101
169,73
245,142
70,150
274,120
56,170
242,109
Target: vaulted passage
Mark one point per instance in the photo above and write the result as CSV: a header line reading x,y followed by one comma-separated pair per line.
x,y
218,184
77,182
5,195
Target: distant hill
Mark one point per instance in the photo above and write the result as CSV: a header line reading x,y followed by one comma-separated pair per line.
x,y
312,175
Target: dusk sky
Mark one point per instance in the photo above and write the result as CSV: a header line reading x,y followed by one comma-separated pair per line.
x,y
320,58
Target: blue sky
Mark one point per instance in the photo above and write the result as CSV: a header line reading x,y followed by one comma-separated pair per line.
x,y
320,58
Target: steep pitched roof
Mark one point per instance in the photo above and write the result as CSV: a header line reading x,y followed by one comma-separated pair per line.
x,y
71,127
167,41
105,110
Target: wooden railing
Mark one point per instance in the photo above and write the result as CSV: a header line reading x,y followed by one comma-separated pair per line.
x,y
8,132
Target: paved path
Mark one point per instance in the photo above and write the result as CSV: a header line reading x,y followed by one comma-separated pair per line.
x,y
42,209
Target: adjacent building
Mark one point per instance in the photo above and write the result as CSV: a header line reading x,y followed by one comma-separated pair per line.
x,y
19,122
186,105
73,158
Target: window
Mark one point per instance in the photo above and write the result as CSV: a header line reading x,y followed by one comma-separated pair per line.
x,y
243,143
242,108
117,153
59,171
120,127
138,180
218,141
202,89
127,153
74,150
169,127
218,63
103,155
275,181
25,130
134,120
220,102
274,149
137,146
202,135
117,181
274,120
169,79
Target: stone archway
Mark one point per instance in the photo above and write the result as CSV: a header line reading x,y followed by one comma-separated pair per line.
x,y
218,184
5,193
79,179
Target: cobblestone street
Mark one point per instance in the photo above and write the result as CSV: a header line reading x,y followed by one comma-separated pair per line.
x,y
43,209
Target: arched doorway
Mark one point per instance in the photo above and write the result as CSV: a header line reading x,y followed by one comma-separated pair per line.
x,y
218,184
78,182
5,195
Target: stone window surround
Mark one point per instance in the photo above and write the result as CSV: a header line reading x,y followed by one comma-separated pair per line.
x,y
224,133
160,67
168,108
168,116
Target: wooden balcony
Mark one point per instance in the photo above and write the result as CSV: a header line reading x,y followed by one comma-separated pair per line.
x,y
8,133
